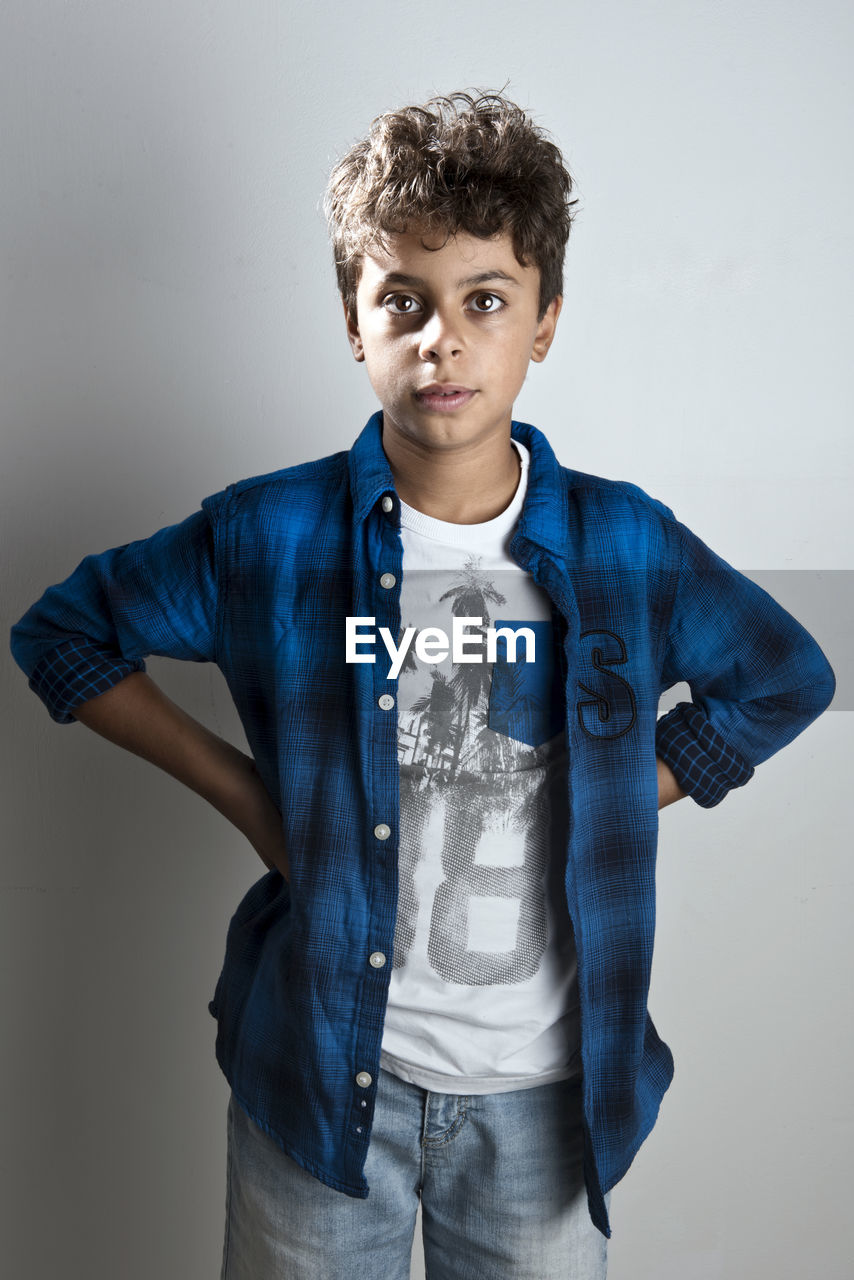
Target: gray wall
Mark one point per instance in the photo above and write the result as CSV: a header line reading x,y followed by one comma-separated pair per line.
x,y
170,324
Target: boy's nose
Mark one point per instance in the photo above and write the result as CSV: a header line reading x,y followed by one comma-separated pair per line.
x,y
439,337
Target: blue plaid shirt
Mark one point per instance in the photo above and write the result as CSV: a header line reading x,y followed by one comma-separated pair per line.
x,y
260,580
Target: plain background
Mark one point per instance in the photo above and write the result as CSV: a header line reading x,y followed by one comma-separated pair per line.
x,y
170,324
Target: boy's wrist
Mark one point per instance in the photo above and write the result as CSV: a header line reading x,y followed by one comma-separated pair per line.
x,y
252,810
668,788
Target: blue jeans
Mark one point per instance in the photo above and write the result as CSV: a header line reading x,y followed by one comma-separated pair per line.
x,y
499,1177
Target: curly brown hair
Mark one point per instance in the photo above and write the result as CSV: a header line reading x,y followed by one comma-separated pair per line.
x,y
474,164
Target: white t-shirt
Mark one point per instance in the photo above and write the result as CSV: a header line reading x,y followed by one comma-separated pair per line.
x,y
483,995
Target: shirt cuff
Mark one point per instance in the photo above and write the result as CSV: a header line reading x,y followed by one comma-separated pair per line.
x,y
76,671
703,763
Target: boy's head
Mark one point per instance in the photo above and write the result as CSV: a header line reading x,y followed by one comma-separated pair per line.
x,y
455,164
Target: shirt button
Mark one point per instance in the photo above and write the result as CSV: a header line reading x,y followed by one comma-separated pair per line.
x,y
381,831
377,959
387,580
386,701
387,503
363,1079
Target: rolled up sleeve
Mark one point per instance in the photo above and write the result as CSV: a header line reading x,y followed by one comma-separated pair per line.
x,y
157,595
756,675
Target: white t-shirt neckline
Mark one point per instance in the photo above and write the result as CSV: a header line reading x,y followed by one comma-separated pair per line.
x,y
485,532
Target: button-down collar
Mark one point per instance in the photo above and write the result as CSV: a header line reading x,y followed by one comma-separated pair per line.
x,y
544,512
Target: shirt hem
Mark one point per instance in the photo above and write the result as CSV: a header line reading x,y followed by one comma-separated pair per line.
x,y
469,1085
316,1170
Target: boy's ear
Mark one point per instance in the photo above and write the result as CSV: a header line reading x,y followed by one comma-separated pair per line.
x,y
353,333
546,329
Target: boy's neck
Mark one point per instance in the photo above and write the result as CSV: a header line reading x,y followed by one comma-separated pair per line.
x,y
462,486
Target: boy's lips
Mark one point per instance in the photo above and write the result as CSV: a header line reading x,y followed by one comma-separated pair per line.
x,y
441,388
444,395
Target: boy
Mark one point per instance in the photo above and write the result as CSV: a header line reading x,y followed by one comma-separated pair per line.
x,y
438,990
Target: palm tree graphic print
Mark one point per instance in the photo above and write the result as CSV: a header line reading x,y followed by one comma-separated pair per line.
x,y
481,747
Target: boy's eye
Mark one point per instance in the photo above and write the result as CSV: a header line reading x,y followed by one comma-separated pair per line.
x,y
492,299
408,305
403,304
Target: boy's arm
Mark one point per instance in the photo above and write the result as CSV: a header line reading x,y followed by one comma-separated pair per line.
x,y
137,715
154,596
757,677
83,643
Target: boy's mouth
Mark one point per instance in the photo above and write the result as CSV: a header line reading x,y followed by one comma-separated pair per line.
x,y
444,396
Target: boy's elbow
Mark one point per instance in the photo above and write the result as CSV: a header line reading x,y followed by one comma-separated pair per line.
x,y
28,644
19,647
816,689
823,688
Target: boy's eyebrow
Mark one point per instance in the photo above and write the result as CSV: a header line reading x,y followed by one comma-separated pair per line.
x,y
482,277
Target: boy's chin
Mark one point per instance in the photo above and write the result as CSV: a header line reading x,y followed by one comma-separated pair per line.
x,y
443,430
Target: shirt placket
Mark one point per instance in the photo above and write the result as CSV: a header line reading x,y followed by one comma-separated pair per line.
x,y
379,578
553,578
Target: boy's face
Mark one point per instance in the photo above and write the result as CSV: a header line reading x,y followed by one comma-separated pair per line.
x,y
464,314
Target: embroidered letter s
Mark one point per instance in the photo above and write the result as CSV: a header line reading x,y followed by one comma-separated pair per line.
x,y
609,711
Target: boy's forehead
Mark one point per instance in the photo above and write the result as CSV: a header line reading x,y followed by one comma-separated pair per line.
x,y
422,252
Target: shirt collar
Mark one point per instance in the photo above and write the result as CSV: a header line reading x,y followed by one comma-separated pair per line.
x,y
545,509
